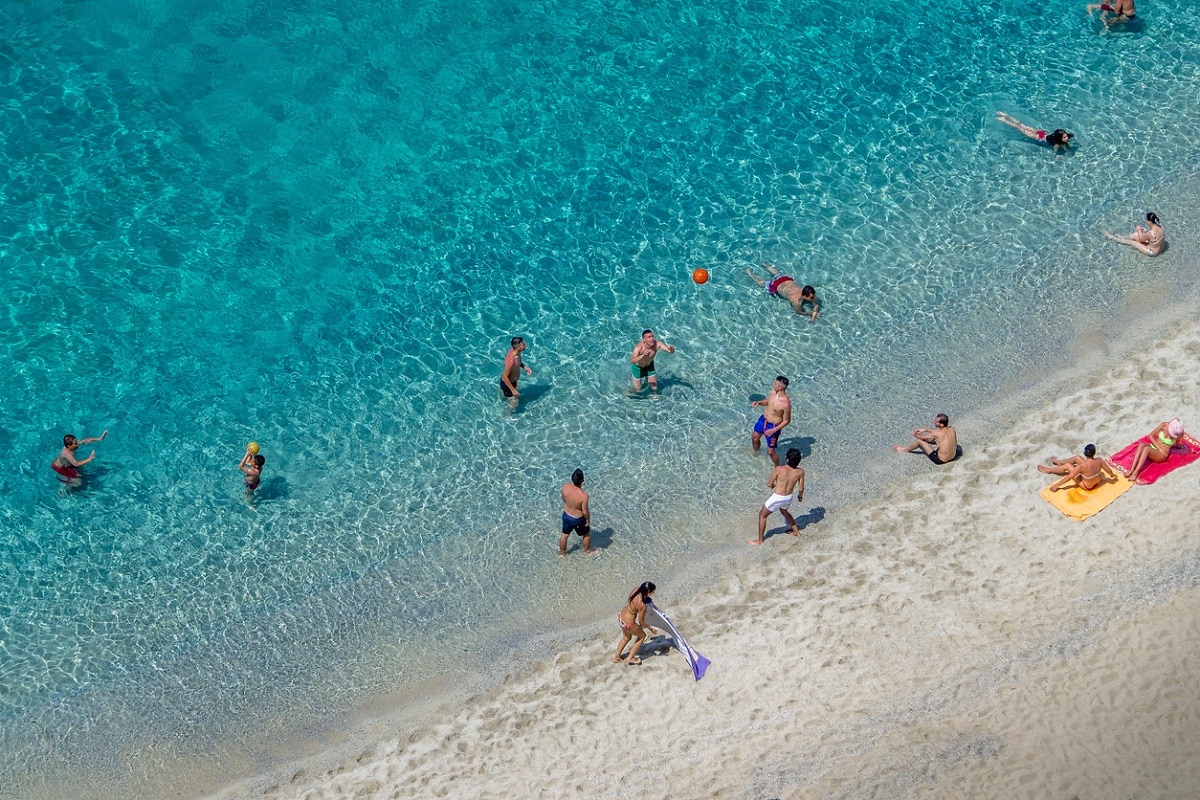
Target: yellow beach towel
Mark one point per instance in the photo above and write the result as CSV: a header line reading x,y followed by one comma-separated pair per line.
x,y
1080,504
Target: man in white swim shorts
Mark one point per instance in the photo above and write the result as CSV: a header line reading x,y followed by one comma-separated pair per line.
x,y
784,480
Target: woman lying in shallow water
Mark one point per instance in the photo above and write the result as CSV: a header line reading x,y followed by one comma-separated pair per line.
x,y
1058,138
1151,240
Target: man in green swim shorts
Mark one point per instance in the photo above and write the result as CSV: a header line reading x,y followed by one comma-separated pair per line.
x,y
641,363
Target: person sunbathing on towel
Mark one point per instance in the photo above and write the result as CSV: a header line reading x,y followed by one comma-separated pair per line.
x,y
1158,449
1086,471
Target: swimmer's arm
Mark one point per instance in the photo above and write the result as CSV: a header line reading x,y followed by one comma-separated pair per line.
x,y
800,487
637,353
99,438
74,463
587,514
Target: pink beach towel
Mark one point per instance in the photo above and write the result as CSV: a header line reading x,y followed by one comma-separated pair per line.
x,y
1185,451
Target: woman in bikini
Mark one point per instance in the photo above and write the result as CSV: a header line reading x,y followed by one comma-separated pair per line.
x,y
1158,449
1151,240
1058,138
1086,472
632,620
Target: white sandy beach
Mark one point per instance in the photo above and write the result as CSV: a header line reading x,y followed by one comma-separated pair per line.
x,y
953,637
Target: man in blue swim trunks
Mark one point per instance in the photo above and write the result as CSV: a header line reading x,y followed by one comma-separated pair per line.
x,y
641,363
575,517
776,415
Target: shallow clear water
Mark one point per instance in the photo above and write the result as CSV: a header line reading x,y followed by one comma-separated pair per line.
x,y
317,225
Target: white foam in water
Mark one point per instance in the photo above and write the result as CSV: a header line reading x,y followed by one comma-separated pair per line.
x,y
319,230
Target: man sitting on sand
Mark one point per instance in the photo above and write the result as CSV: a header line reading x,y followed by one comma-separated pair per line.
x,y
783,286
940,442
783,481
1086,471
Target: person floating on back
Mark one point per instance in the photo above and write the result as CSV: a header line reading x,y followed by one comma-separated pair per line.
x,y
65,464
940,442
576,518
783,481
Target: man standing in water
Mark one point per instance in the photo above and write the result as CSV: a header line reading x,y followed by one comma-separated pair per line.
x,y
575,516
777,414
940,442
642,360
783,481
512,372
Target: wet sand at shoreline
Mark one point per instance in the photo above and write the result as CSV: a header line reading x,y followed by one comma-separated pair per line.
x,y
955,636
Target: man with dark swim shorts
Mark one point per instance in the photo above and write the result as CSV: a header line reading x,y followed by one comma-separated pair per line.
x,y
512,372
641,363
251,466
65,464
777,415
940,442
575,517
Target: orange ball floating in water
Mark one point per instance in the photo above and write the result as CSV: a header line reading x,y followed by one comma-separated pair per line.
x,y
700,276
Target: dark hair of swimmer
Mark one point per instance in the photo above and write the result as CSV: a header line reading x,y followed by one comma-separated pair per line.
x,y
941,419
1060,137
577,477
782,380
516,340
808,291
68,440
1089,451
645,590
1151,217
259,460
647,331
793,458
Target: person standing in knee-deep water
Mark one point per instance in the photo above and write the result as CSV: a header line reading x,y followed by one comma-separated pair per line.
x,y
65,464
512,372
575,516
776,415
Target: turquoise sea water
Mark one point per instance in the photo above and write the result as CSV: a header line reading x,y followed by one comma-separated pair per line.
x,y
316,226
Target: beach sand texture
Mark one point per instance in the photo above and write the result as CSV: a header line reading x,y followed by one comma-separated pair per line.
x,y
953,637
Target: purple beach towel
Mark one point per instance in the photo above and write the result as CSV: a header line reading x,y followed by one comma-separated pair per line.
x,y
657,619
